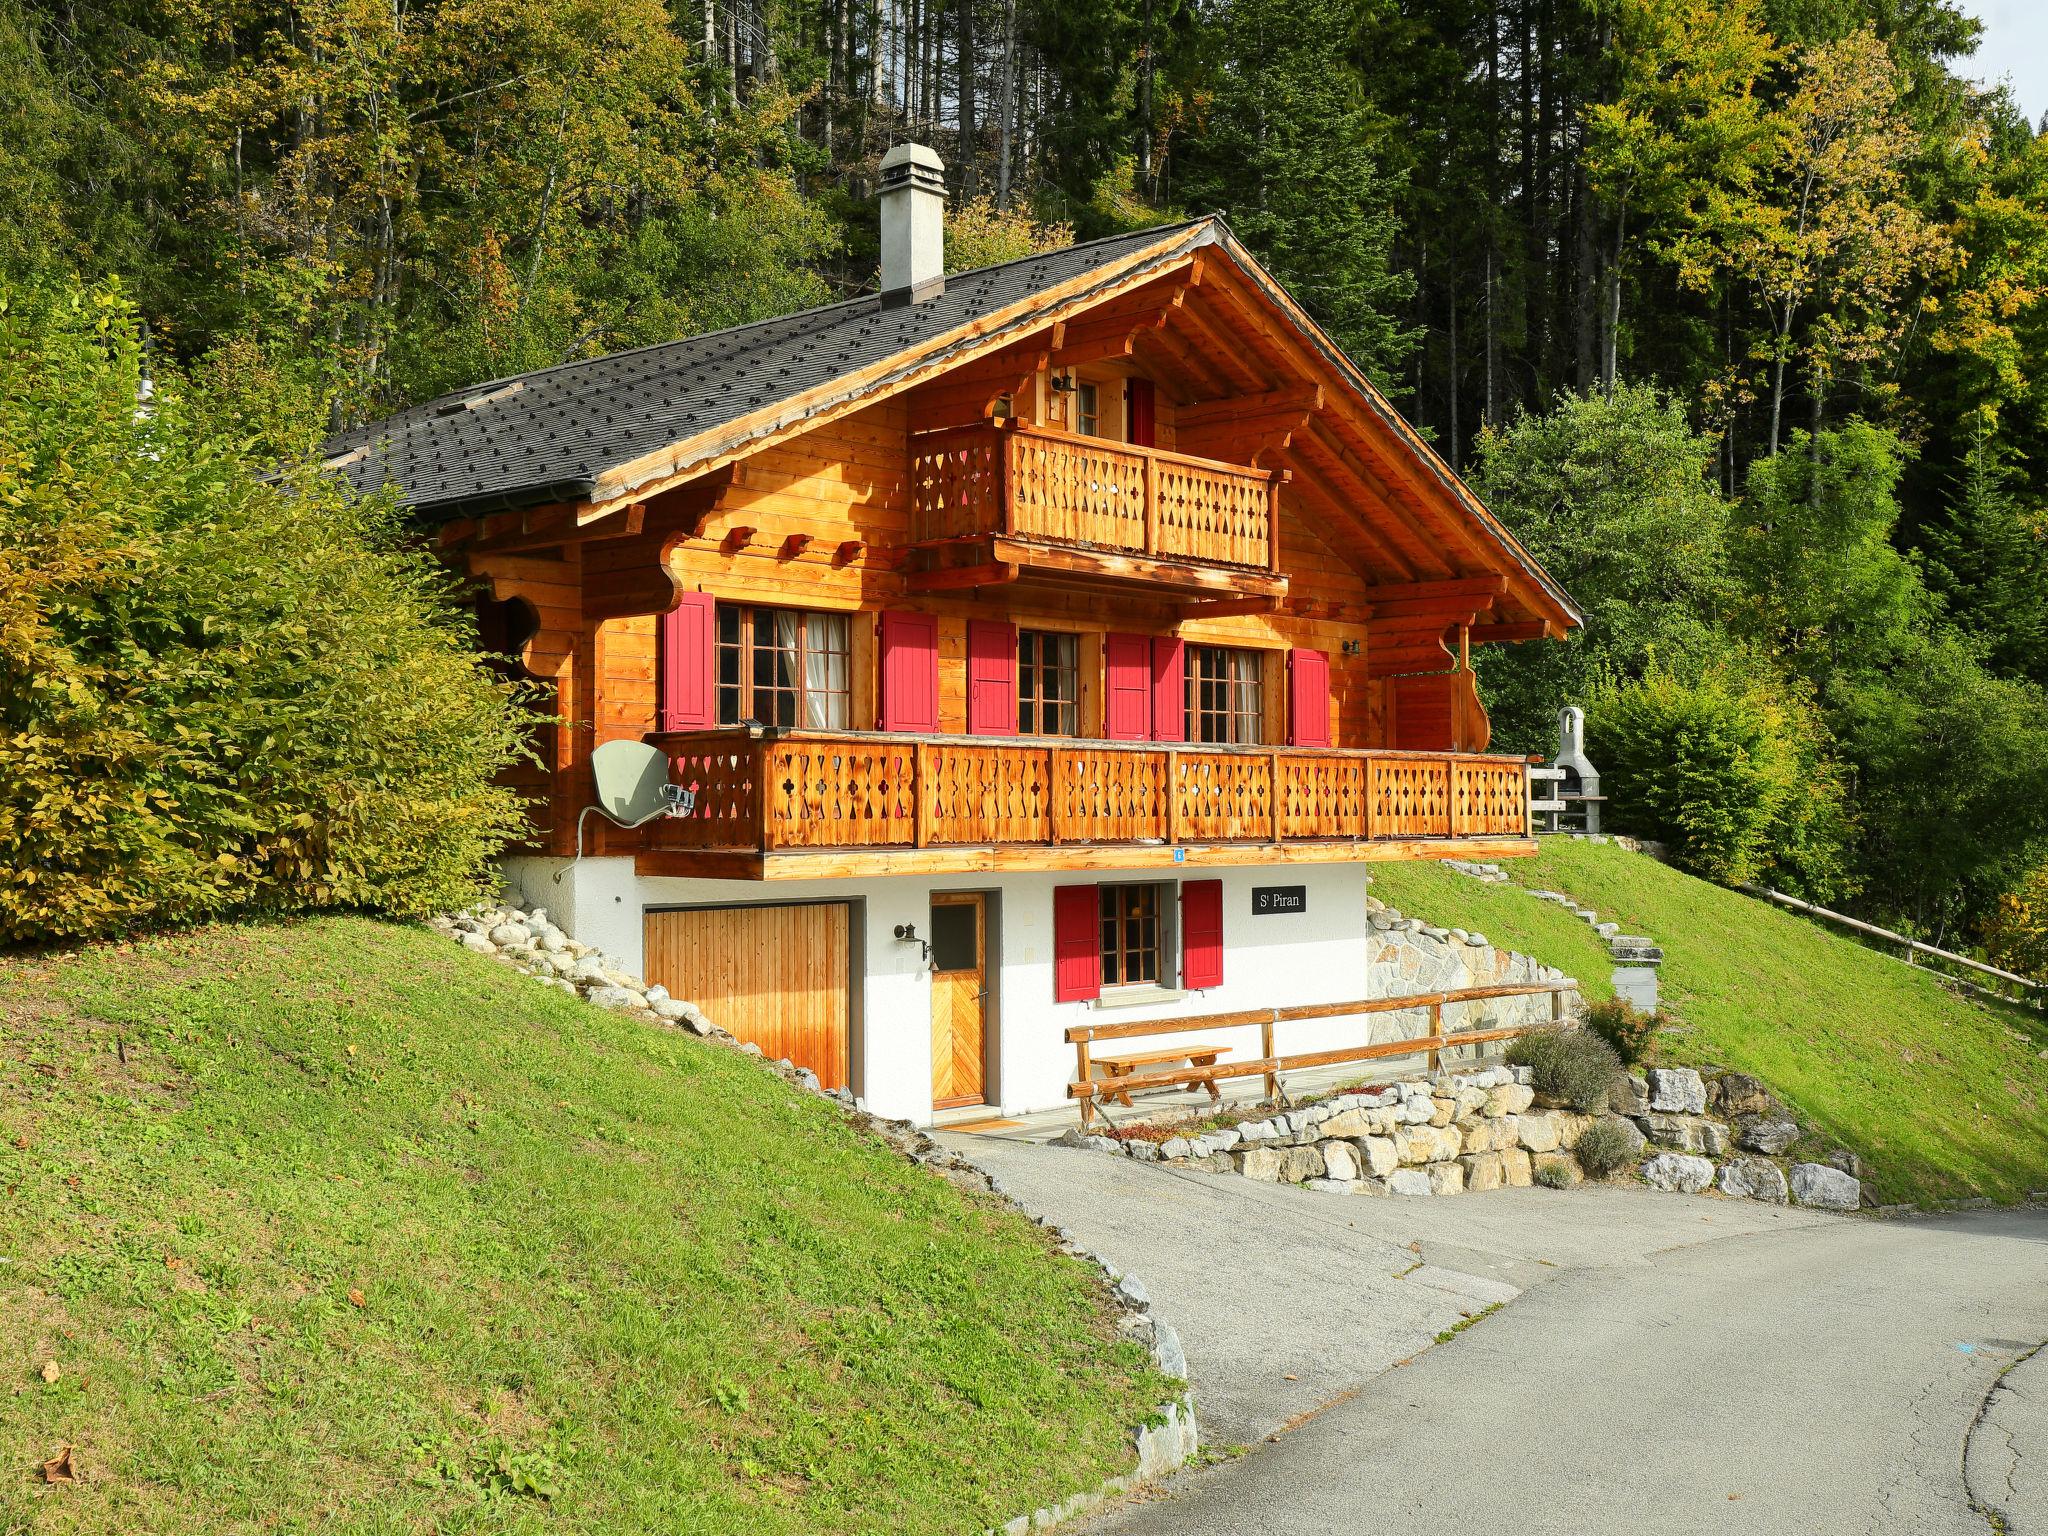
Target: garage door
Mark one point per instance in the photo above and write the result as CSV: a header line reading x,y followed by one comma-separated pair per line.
x,y
777,976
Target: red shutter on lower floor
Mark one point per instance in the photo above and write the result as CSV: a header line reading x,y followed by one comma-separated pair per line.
x,y
1201,933
1169,690
685,665
1127,687
1308,699
1076,944
991,678
910,673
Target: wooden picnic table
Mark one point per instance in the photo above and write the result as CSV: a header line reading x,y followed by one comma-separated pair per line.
x,y
1123,1063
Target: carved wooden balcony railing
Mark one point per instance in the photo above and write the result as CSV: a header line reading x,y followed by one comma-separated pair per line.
x,y
772,791
1003,479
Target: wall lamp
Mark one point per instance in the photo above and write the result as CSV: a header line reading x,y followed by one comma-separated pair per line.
x,y
907,933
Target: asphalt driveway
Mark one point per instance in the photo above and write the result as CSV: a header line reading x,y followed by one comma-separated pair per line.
x,y
1662,1362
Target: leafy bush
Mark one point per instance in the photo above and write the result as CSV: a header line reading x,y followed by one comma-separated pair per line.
x,y
1604,1147
1727,768
2017,935
221,692
1624,1026
1554,1176
1570,1066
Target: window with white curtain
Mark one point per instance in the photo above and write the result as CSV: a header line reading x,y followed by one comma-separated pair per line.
x,y
1225,694
783,666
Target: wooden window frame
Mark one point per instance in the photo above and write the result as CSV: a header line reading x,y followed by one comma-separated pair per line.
x,y
1121,904
1243,671
1032,702
744,649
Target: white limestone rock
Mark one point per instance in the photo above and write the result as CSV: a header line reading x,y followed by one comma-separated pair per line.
x,y
1753,1178
1825,1188
1677,1090
1679,1172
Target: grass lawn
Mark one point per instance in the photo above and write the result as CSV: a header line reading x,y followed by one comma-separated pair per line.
x,y
333,1225
1942,1096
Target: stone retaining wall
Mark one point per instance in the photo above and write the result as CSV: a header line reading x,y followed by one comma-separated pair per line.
x,y
1483,1130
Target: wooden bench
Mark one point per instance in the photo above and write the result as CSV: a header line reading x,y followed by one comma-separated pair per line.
x,y
1124,1063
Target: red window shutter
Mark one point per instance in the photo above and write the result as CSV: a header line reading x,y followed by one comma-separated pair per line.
x,y
991,678
1144,429
1308,701
685,651
910,673
1169,690
1127,694
1076,944
1201,933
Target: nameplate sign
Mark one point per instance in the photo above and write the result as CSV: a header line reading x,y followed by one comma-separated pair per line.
x,y
1278,898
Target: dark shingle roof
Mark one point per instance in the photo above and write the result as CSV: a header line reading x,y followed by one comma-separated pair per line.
x,y
548,435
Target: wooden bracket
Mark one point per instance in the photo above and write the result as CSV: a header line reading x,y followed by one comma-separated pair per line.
x,y
737,539
795,545
847,553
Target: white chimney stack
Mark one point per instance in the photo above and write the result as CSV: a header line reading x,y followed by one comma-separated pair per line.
x,y
913,225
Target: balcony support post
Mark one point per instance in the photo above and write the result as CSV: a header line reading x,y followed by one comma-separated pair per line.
x,y
1151,506
1056,789
1273,791
920,789
1172,798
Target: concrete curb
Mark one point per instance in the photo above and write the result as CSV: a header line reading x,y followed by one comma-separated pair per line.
x,y
1162,1449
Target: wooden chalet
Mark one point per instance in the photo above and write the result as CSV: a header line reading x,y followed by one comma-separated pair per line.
x,y
1039,610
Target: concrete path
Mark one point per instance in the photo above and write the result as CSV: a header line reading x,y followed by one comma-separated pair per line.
x,y
1666,1362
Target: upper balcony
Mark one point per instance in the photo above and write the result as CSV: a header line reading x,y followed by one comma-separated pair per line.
x,y
997,499
797,803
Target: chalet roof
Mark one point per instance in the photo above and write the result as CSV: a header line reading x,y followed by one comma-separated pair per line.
x,y
603,431
549,435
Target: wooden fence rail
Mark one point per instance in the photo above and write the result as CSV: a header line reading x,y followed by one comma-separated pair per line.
x,y
1909,946
1270,1065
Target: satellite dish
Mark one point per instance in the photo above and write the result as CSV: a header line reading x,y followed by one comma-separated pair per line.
x,y
632,781
633,788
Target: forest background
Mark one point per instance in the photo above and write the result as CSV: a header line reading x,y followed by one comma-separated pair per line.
x,y
1736,312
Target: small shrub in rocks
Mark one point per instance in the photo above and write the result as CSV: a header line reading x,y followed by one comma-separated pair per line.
x,y
1604,1147
1625,1027
1554,1176
1570,1066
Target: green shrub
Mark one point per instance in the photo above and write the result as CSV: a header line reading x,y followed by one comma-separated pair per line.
x,y
1554,1176
1625,1027
221,692
1604,1147
1568,1065
1728,769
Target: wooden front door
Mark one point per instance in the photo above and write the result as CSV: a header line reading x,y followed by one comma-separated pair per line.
x,y
959,999
775,975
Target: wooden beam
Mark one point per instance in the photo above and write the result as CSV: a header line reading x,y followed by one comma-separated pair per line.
x,y
949,578
1538,629
1493,584
1230,608
1294,399
1230,351
1341,506
1377,491
1184,362
1140,569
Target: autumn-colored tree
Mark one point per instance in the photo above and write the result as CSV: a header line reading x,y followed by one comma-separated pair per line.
x,y
1833,244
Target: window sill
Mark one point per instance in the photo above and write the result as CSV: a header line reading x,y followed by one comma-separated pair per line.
x,y
1138,996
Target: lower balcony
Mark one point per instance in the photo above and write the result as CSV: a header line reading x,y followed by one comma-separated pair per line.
x,y
790,804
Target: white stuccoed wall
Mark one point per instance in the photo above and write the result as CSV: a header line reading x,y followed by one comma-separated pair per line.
x,y
1317,956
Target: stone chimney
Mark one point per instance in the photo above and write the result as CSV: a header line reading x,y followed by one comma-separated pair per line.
x,y
913,225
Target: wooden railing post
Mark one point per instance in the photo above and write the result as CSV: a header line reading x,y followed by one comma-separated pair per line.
x,y
1273,522
1436,1035
1006,480
1083,1070
1273,791
1151,505
1172,798
1267,1053
763,760
920,789
1056,789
